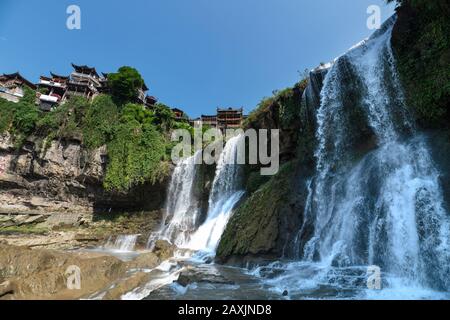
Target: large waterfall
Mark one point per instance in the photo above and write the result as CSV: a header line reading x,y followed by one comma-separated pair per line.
x,y
375,199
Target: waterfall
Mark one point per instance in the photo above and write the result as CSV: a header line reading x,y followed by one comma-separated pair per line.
x,y
181,210
384,208
122,243
225,193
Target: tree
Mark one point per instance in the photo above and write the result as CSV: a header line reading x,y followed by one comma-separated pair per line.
x,y
164,117
124,85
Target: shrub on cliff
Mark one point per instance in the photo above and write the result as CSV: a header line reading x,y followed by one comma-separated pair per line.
x,y
19,118
135,155
99,122
65,122
124,85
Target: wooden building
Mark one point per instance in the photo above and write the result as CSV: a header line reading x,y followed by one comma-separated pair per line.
x,y
84,81
208,120
229,118
179,114
12,86
51,91
150,101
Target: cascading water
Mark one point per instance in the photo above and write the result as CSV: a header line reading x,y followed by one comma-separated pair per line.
x,y
179,225
225,193
383,208
123,243
181,208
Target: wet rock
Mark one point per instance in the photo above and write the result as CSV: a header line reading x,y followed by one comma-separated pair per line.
x,y
163,250
194,275
42,274
148,260
124,286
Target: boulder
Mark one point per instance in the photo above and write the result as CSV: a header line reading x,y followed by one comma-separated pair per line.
x,y
163,250
148,260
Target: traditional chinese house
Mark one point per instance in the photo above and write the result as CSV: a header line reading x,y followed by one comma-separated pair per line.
x,y
209,121
104,88
150,101
229,118
12,86
179,114
84,81
51,91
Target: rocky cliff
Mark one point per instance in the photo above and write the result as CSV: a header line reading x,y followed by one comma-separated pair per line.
x,y
63,180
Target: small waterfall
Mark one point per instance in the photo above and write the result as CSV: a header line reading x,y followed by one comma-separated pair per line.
x,y
225,193
385,208
122,243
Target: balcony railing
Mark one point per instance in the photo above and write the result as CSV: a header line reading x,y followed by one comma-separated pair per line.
x,y
52,83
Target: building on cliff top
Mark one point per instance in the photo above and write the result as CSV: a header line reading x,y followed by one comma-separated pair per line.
x,y
12,86
84,81
228,118
51,91
179,114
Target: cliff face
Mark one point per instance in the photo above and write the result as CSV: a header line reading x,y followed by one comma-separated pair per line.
x,y
63,177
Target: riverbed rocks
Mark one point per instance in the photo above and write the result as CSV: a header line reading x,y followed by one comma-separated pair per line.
x,y
163,249
27,273
41,274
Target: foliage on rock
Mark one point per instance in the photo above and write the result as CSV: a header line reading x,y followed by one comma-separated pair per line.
x,y
421,41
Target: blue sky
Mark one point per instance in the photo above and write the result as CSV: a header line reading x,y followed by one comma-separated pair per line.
x,y
193,54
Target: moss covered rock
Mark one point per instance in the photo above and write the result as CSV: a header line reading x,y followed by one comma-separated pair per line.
x,y
261,226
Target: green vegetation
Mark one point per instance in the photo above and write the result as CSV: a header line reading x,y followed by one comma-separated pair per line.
x,y
287,103
136,151
19,118
137,138
124,85
421,43
24,229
